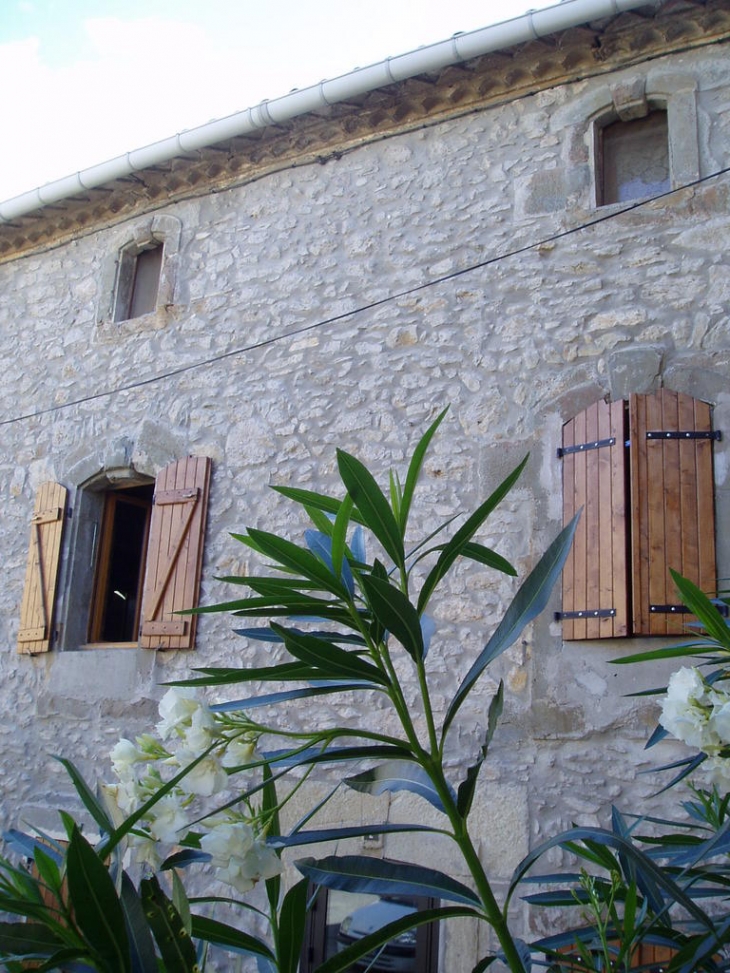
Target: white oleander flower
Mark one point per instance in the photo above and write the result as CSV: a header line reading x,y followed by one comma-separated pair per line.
x,y
205,779
145,850
239,751
240,858
177,708
720,716
685,710
167,819
124,755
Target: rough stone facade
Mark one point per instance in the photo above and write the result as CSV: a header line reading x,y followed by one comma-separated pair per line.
x,y
344,301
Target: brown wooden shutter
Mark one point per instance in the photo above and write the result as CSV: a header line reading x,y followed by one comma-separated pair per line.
x,y
673,521
595,577
175,554
41,575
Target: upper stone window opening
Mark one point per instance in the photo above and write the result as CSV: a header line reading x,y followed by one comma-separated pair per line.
x,y
633,158
139,281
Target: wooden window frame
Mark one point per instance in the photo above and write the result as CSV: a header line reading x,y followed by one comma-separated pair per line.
x,y
104,562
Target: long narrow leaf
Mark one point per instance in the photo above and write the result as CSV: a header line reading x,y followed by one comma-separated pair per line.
x,y
89,800
27,939
220,934
286,696
529,601
463,536
397,775
372,505
414,469
696,600
339,834
174,942
395,613
355,873
330,660
347,958
468,785
291,928
141,944
97,909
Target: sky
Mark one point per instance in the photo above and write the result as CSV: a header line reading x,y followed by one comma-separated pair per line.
x,y
84,81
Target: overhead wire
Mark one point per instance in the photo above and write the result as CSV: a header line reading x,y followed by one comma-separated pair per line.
x,y
362,308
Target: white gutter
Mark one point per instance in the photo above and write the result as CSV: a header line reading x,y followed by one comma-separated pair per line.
x,y
433,57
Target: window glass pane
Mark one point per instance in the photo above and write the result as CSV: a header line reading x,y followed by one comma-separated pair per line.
x,y
350,917
635,158
146,282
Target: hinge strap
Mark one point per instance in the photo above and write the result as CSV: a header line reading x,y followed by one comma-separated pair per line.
x,y
586,613
683,609
584,447
691,434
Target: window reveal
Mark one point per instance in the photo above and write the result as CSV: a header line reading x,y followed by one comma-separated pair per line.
x,y
116,602
138,282
642,473
633,159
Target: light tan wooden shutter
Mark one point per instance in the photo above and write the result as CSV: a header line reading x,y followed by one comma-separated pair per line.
x,y
175,554
673,522
595,576
41,575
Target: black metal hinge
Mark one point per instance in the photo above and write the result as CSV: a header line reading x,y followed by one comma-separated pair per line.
x,y
584,447
586,613
683,610
655,434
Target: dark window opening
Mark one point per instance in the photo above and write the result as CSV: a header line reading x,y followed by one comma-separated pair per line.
x,y
338,919
139,282
633,159
122,549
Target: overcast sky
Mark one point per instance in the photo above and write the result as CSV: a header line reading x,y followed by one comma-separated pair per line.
x,y
83,81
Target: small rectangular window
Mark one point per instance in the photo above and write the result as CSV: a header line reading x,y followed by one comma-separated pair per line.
x,y
633,159
139,282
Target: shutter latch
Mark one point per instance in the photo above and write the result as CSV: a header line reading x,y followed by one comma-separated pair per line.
x,y
691,434
584,447
586,613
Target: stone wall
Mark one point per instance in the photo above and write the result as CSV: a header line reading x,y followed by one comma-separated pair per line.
x,y
344,304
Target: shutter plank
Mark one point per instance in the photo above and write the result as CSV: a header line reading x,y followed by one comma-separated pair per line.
x,y
41,575
175,554
596,575
673,519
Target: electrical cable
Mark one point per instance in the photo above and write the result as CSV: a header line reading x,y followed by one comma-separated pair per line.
x,y
295,332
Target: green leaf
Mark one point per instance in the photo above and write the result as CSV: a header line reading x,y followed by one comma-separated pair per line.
x,y
397,775
463,536
395,613
414,469
347,958
96,907
95,808
485,555
29,939
329,660
175,945
319,501
701,606
670,652
287,672
296,559
372,505
529,601
270,809
340,834
292,925
221,934
339,534
142,947
375,876
468,785
180,901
